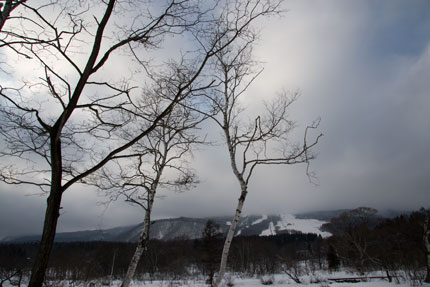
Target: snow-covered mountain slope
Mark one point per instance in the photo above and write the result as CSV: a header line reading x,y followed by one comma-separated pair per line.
x,y
261,225
289,222
192,228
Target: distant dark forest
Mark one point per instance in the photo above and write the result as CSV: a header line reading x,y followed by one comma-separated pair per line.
x,y
179,257
361,242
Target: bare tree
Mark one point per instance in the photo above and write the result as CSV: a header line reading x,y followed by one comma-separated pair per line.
x,y
68,117
263,141
12,277
58,137
351,231
158,161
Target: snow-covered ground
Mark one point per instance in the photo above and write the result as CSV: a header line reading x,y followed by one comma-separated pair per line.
x,y
318,279
281,280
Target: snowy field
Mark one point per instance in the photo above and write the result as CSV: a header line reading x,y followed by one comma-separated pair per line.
x,y
318,279
281,280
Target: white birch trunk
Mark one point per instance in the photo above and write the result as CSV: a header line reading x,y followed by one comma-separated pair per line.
x,y
240,203
229,239
142,245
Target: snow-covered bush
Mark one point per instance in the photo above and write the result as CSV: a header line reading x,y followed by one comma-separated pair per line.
x,y
267,279
229,280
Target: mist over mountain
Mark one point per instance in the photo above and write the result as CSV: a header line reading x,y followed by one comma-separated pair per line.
x,y
171,228
167,229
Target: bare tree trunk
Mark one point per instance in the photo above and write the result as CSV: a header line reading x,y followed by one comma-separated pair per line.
x,y
51,216
229,239
4,14
142,245
47,241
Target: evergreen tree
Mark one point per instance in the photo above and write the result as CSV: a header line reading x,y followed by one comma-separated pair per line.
x,y
211,236
332,259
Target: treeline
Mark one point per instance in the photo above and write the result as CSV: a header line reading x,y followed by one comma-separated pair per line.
x,y
168,259
364,242
361,242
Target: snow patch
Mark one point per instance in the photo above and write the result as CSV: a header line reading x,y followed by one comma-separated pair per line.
x,y
270,231
228,223
264,217
290,222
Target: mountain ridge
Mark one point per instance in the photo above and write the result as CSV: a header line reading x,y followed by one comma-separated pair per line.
x,y
170,228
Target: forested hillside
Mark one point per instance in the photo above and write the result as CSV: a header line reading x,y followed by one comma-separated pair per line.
x,y
361,242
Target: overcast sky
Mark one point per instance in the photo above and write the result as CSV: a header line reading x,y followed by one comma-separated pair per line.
x,y
362,66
